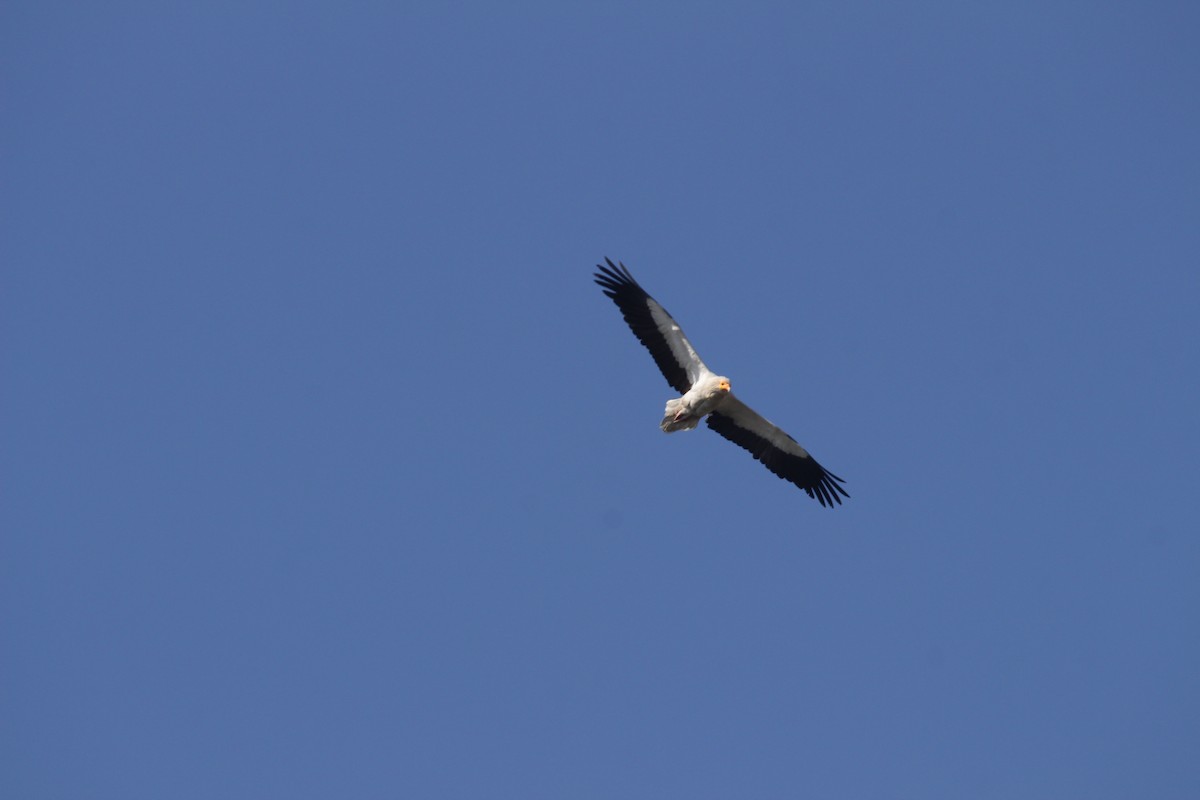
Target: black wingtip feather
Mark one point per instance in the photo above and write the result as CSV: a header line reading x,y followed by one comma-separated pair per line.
x,y
634,302
804,472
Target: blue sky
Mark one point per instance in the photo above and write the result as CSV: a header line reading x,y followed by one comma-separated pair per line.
x,y
327,471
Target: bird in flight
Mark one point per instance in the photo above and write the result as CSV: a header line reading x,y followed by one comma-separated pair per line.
x,y
705,394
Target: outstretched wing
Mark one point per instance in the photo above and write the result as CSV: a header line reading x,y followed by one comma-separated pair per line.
x,y
653,327
778,452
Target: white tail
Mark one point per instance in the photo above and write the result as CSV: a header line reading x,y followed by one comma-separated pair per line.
x,y
676,418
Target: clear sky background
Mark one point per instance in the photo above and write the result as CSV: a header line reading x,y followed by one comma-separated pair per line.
x,y
328,472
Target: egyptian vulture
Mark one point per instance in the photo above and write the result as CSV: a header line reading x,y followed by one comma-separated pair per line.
x,y
706,394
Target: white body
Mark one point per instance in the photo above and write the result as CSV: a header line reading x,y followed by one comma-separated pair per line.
x,y
705,396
